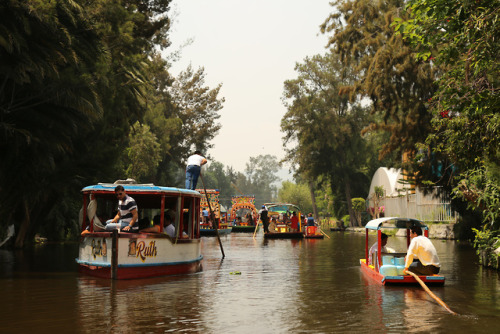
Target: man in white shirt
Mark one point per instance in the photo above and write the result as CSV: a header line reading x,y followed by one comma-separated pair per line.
x,y
373,250
193,169
423,249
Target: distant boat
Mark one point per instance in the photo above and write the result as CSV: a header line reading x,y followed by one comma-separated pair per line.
x,y
123,255
243,214
207,229
279,217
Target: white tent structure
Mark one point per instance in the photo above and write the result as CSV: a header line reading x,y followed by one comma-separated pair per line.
x,y
401,201
389,179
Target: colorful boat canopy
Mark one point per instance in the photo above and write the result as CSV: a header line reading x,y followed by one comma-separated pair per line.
x,y
146,188
281,207
394,222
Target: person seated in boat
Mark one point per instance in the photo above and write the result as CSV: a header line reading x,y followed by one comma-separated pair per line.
x,y
423,249
374,248
127,215
272,225
168,227
294,222
249,218
310,220
204,214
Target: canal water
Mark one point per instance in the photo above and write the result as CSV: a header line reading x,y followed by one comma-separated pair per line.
x,y
262,286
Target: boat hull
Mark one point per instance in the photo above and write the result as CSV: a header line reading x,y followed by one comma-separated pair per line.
x,y
210,232
314,236
284,235
243,229
399,280
137,255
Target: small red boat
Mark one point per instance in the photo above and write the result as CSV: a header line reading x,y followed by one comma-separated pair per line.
x,y
386,268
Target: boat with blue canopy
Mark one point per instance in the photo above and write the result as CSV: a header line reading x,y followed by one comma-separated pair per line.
x,y
136,254
387,268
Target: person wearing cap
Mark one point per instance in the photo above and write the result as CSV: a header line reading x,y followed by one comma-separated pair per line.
x,y
264,218
294,222
193,169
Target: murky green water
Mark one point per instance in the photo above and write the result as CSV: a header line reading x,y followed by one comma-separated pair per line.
x,y
285,286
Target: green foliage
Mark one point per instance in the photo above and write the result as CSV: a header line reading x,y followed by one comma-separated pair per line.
x,y
486,242
143,152
347,220
461,37
298,194
358,204
323,128
385,70
261,178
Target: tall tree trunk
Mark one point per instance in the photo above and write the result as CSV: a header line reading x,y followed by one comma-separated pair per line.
x,y
313,200
352,215
25,224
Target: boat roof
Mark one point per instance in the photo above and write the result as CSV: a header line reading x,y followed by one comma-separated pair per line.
x,y
140,188
395,222
284,206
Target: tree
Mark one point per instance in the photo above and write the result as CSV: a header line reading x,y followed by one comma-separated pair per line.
x,y
325,127
72,83
143,152
462,37
261,177
297,194
182,112
219,178
376,198
386,70
358,206
48,98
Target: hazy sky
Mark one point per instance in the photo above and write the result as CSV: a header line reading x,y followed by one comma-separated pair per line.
x,y
251,47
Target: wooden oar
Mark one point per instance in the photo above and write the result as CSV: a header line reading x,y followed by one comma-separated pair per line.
x,y
213,216
256,227
430,292
324,233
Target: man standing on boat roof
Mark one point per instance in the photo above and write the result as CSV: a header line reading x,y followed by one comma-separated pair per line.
x,y
127,215
422,248
193,169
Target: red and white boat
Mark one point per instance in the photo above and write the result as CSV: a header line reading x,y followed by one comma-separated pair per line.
x,y
122,255
386,268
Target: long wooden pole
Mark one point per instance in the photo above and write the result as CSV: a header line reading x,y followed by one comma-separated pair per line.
x,y
430,292
256,227
324,233
213,216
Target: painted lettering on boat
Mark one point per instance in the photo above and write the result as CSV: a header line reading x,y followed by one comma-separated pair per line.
x,y
144,251
98,248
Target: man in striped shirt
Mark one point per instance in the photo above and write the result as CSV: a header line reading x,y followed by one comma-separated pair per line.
x,y
127,215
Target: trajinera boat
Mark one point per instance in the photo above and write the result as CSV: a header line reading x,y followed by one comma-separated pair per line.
x,y
122,255
279,221
387,268
243,214
207,228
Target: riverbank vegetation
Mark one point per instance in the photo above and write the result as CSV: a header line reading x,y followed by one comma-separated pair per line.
x,y
86,96
409,84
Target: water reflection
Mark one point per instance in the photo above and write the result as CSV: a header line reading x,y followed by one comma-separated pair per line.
x,y
160,304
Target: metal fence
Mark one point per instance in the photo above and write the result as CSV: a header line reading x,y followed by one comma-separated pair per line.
x,y
433,206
